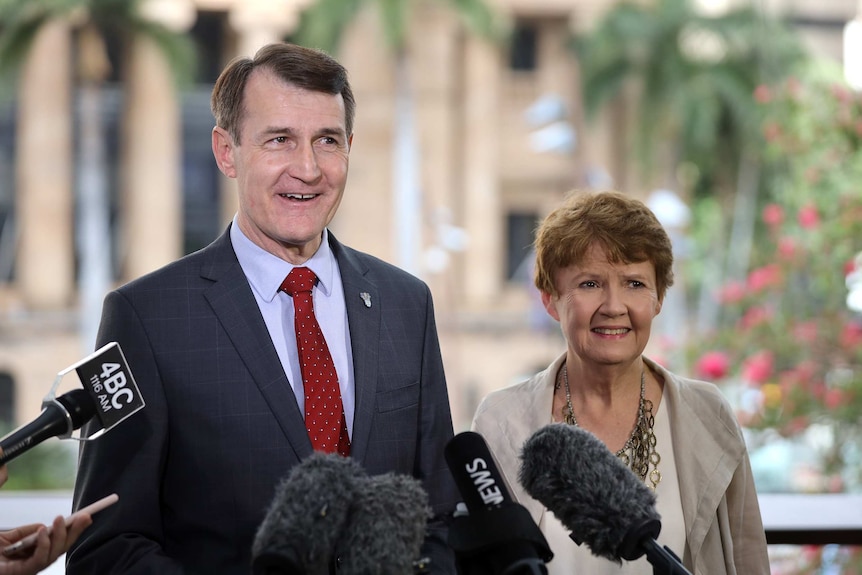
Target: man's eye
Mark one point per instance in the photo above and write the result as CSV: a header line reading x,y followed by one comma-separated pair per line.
x,y
279,139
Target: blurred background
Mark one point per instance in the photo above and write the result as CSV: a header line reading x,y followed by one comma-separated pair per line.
x,y
739,123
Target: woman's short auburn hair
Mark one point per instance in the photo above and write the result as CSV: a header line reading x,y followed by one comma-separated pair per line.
x,y
624,226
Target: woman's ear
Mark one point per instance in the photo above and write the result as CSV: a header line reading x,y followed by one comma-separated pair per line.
x,y
550,303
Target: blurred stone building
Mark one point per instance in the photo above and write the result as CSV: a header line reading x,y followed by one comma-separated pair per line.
x,y
500,138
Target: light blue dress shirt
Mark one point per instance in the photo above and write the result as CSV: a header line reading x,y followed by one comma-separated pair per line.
x,y
265,273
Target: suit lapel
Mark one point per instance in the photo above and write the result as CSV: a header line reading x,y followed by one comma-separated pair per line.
x,y
235,307
364,305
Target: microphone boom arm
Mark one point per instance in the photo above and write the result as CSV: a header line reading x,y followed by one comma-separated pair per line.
x,y
663,560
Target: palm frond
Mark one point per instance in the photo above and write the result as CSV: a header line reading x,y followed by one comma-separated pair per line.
x,y
322,24
178,49
15,42
480,18
394,15
696,73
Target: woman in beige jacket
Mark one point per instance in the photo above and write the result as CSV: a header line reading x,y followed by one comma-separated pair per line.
x,y
604,263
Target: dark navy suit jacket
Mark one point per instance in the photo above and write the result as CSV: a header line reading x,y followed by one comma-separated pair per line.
x,y
197,468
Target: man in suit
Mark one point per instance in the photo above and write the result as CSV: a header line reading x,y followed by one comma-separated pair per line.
x,y
210,339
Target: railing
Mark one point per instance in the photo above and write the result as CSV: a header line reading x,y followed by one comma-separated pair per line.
x,y
789,519
815,519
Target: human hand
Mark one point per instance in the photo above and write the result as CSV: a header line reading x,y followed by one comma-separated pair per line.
x,y
48,546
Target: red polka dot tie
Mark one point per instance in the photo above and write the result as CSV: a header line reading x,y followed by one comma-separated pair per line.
x,y
324,412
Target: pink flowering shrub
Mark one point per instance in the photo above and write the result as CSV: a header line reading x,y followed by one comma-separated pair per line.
x,y
785,331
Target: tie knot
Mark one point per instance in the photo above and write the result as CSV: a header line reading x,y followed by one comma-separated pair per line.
x,y
298,280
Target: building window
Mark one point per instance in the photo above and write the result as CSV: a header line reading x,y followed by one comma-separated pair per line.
x,y
524,47
7,401
202,217
7,191
520,233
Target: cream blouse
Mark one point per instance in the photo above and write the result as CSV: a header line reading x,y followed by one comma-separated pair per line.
x,y
572,559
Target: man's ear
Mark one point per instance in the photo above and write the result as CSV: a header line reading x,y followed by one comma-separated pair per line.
x,y
223,149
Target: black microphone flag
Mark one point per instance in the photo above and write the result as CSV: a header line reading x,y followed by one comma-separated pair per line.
x,y
498,536
109,394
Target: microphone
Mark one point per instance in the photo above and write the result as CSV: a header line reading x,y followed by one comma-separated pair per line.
x,y
62,416
109,394
307,517
497,536
573,474
386,527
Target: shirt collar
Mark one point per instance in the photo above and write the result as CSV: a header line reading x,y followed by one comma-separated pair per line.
x,y
266,272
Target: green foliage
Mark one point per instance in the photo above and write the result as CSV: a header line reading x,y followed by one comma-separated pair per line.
x,y
323,23
49,466
20,20
694,73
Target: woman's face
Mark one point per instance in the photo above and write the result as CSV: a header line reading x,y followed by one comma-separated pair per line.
x,y
605,310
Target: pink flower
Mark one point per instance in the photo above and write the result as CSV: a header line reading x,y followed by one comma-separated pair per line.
x,y
764,277
851,335
841,93
787,248
771,131
805,371
762,94
833,398
806,331
754,316
773,215
808,216
713,365
797,425
731,293
758,367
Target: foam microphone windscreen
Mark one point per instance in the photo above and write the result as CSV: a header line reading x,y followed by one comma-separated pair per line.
x,y
307,516
600,500
386,527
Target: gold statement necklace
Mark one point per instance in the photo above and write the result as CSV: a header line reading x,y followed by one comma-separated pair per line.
x,y
639,451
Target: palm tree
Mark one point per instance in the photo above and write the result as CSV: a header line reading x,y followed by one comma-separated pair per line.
x,y
322,26
92,21
695,75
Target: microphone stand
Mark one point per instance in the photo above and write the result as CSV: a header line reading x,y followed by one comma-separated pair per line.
x,y
500,541
641,539
663,560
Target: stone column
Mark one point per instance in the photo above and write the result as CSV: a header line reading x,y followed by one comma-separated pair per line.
x,y
483,260
256,23
259,22
152,196
44,200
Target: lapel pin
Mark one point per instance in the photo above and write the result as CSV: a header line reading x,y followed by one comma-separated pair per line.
x,y
366,298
